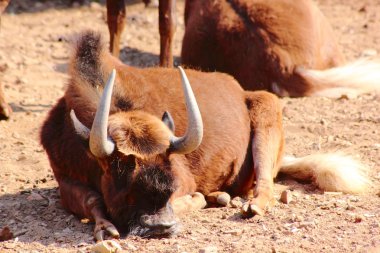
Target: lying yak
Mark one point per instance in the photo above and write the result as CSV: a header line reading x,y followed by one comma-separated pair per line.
x,y
123,155
283,46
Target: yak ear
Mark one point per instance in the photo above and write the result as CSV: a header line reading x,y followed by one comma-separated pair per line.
x,y
168,121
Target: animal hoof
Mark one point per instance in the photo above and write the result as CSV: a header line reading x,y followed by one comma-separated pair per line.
x,y
223,199
5,111
101,229
250,210
256,210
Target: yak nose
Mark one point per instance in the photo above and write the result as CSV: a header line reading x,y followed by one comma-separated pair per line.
x,y
163,219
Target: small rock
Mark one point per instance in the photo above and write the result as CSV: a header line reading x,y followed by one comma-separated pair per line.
x,y
34,196
363,9
332,193
95,6
5,234
85,221
237,202
369,52
209,249
358,218
307,224
350,207
108,246
234,232
286,197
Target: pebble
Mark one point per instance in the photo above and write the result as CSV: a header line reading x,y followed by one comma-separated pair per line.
x,y
286,197
34,196
108,246
95,6
237,202
369,52
234,232
209,249
358,218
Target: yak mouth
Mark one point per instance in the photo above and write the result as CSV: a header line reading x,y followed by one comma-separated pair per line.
x,y
158,224
154,232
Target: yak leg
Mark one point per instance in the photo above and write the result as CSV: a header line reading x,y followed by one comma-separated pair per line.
x,y
218,198
5,109
167,27
265,113
85,202
116,16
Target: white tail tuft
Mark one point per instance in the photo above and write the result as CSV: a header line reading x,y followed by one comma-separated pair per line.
x,y
360,76
330,172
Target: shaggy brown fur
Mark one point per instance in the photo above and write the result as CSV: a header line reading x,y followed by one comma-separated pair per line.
x,y
283,46
240,153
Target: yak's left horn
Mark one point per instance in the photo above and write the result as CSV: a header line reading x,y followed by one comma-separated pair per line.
x,y
81,129
101,144
194,133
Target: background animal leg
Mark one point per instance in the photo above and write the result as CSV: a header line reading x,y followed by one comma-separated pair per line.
x,y
267,148
116,17
167,27
188,203
85,202
5,109
218,198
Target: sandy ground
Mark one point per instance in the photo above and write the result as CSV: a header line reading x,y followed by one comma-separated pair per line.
x,y
33,45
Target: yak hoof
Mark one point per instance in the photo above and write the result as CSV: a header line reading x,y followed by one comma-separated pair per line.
x,y
249,210
105,226
5,111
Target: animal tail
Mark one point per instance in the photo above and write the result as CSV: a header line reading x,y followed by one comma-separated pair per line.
x,y
352,79
330,172
90,61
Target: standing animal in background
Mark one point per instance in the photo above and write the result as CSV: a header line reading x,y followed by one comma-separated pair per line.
x,y
116,18
5,109
283,46
118,161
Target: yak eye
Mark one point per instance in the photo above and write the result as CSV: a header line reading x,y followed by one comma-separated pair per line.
x,y
123,165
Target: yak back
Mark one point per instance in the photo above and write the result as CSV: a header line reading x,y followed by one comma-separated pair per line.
x,y
259,42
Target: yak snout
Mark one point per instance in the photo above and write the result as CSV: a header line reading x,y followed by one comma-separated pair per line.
x,y
162,221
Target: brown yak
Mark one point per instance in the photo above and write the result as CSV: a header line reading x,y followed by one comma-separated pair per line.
x,y
118,161
282,46
5,109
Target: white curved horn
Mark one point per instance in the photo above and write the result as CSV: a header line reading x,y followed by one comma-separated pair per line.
x,y
100,143
80,129
194,132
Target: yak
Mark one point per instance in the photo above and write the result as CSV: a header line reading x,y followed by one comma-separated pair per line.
x,y
283,46
123,151
5,109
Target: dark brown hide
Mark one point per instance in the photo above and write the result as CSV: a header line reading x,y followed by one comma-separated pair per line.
x,y
134,186
264,44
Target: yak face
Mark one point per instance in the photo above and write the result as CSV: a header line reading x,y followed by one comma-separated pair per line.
x,y
138,182
133,148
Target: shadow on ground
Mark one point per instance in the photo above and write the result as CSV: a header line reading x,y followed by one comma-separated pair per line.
x,y
36,215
